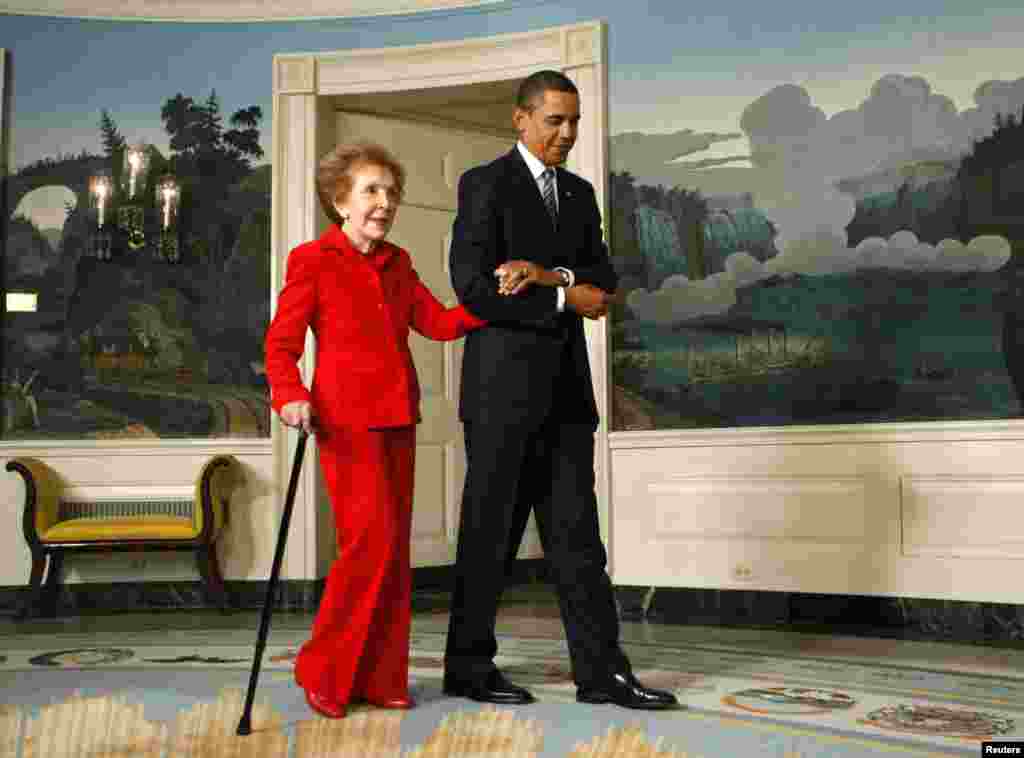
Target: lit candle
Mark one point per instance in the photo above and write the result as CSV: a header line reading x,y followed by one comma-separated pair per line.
x,y
100,188
169,192
135,162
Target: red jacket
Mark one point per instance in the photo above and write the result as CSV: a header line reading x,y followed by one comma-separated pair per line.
x,y
360,308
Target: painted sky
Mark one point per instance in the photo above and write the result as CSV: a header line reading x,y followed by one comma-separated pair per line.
x,y
670,69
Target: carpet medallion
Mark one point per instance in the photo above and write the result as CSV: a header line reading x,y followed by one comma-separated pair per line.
x,y
97,698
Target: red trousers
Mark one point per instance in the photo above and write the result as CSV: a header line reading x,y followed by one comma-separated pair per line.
x,y
359,647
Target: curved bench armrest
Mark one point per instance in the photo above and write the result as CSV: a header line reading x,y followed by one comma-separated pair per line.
x,y
213,492
42,496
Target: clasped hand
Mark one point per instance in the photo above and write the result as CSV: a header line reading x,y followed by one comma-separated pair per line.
x,y
299,414
585,299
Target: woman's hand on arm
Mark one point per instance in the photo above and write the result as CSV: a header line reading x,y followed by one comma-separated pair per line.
x,y
435,321
299,414
515,276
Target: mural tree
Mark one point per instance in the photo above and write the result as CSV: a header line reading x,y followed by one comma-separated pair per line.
x,y
992,179
113,142
1004,146
209,160
625,247
991,182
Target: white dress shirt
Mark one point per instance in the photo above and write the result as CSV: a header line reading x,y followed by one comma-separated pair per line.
x,y
537,169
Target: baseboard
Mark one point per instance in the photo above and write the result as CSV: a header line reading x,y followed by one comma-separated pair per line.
x,y
857,615
854,615
94,598
430,592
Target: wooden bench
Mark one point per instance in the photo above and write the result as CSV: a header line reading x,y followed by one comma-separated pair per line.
x,y
55,525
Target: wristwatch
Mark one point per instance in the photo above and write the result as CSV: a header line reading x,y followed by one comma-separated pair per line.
x,y
564,276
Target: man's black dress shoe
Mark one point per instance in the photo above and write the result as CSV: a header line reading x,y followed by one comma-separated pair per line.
x,y
493,688
625,690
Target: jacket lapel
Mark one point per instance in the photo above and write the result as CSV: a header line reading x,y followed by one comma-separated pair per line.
x,y
566,200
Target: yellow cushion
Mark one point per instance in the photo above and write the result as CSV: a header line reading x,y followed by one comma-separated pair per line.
x,y
121,528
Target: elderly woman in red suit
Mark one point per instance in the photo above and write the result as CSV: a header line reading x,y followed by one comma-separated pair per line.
x,y
359,294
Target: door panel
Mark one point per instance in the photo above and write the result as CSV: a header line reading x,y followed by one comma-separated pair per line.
x,y
434,158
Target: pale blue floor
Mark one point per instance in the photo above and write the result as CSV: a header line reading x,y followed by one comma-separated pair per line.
x,y
527,612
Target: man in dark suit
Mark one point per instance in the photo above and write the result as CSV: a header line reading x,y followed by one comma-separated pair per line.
x,y
527,402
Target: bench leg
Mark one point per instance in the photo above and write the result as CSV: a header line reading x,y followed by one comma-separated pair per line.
x,y
53,577
32,594
209,570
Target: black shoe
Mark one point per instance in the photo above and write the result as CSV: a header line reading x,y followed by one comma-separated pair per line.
x,y
493,688
625,690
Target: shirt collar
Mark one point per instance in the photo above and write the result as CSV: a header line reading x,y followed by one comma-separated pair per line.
x,y
535,164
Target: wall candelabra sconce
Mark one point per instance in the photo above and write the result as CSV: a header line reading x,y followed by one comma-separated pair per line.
x,y
101,193
133,217
167,195
131,214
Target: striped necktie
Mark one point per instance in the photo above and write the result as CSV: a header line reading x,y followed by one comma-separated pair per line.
x,y
548,191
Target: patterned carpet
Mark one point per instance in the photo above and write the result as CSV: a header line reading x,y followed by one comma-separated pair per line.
x,y
105,700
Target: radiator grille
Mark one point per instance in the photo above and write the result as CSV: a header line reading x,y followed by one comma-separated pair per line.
x,y
102,509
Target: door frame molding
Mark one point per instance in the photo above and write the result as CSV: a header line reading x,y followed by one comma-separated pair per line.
x,y
302,87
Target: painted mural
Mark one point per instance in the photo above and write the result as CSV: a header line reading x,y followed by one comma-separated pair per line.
x,y
810,264
136,221
816,213
147,301
137,245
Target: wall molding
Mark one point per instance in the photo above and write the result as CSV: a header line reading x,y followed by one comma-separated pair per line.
x,y
228,11
847,434
440,64
54,449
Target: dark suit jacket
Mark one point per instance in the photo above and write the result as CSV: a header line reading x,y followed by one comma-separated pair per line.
x,y
530,358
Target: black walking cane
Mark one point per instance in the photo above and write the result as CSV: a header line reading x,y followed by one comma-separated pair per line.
x,y
245,725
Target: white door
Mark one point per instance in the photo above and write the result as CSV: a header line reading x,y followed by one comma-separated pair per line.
x,y
434,157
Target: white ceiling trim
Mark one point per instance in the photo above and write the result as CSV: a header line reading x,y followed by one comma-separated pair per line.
x,y
206,11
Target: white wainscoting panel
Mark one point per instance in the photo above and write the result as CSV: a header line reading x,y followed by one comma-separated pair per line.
x,y
922,510
810,508
962,517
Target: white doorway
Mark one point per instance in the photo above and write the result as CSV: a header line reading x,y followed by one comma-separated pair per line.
x,y
442,108
435,149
